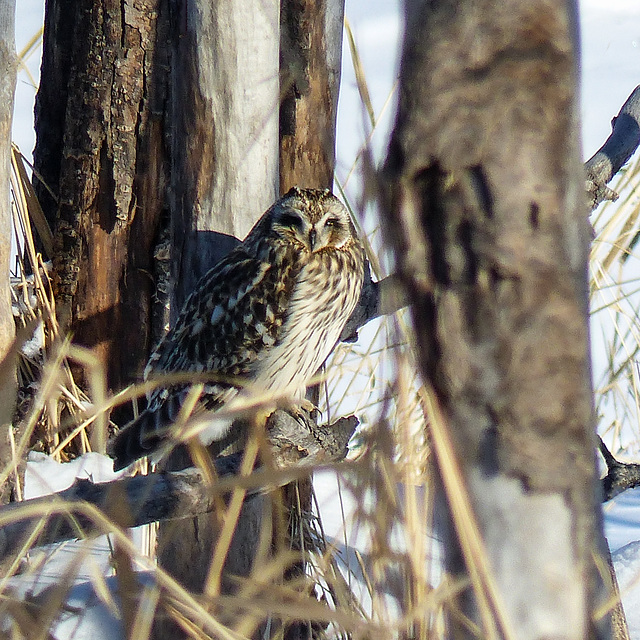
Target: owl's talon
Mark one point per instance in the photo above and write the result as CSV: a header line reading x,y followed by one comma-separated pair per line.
x,y
308,406
304,411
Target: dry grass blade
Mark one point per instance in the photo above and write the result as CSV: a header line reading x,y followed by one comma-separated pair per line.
x,y
33,44
23,190
361,77
490,606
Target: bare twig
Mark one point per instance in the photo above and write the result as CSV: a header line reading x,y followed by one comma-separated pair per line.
x,y
620,475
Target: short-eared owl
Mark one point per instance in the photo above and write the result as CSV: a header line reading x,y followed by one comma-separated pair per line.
x,y
261,321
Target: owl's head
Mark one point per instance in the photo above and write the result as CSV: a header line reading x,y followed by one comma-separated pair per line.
x,y
312,219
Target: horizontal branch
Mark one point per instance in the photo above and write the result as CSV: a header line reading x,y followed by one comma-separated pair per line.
x,y
132,502
619,147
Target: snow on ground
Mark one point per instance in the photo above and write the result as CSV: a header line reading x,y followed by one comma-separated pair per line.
x,y
622,529
89,606
626,561
610,64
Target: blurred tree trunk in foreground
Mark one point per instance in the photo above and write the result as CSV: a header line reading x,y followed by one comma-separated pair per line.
x,y
8,67
100,150
486,208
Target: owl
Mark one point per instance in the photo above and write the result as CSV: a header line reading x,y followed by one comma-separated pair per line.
x,y
258,324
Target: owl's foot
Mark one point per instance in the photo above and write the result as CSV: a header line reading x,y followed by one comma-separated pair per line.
x,y
308,406
303,410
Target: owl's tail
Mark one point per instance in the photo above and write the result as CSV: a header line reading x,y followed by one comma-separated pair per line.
x,y
143,436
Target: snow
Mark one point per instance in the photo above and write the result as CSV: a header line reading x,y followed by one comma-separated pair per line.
x,y
44,475
626,561
91,603
610,63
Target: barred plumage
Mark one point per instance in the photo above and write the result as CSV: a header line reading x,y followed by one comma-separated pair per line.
x,y
262,320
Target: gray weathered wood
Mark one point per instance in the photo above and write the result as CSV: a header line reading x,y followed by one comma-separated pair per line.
x,y
225,97
8,67
617,149
485,208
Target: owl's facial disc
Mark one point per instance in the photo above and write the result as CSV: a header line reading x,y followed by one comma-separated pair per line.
x,y
314,226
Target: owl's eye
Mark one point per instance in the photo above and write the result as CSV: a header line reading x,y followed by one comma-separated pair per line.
x,y
290,220
332,222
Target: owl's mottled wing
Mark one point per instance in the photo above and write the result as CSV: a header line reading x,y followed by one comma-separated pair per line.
x,y
235,312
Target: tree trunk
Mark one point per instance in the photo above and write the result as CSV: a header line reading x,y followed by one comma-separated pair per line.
x,y
8,68
486,210
310,64
100,150
224,130
224,134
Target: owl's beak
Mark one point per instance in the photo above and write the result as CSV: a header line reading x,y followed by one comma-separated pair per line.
x,y
312,239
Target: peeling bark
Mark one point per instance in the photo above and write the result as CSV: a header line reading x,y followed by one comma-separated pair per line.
x,y
100,149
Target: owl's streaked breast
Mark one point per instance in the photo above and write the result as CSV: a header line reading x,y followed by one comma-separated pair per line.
x,y
325,295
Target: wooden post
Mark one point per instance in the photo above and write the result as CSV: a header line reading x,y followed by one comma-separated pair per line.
x,y
8,67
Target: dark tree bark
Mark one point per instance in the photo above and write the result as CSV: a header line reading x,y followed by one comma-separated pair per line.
x,y
100,150
486,211
8,68
310,59
310,63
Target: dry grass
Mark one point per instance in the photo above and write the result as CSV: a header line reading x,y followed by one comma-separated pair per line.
x,y
375,577
385,592
615,285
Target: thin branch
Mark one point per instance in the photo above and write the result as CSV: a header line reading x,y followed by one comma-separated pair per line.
x,y
618,148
